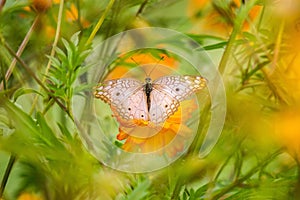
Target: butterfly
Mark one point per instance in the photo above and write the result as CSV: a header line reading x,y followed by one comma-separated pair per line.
x,y
152,101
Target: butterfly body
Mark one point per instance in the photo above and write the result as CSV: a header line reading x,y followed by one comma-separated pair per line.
x,y
152,101
147,90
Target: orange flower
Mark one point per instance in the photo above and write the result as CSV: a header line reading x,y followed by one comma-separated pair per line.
x,y
41,5
219,18
144,136
72,16
141,59
141,136
195,6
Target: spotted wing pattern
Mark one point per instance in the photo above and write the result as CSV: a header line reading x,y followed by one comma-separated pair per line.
x,y
128,99
125,96
167,93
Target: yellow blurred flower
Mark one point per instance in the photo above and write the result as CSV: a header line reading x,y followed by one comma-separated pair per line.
x,y
286,76
29,196
139,22
286,83
287,129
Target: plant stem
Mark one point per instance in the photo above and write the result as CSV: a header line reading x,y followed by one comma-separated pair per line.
x,y
32,74
56,38
141,8
278,44
240,19
100,22
9,167
247,175
20,50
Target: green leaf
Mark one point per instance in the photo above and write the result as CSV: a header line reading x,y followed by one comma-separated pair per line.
x,y
35,132
75,38
48,136
21,121
83,87
258,67
54,61
140,192
23,91
201,38
250,36
65,132
201,191
215,46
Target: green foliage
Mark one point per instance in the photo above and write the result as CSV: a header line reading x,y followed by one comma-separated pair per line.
x,y
47,155
140,190
66,68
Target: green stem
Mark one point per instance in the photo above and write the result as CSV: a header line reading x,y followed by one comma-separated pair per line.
x,y
9,167
100,22
32,74
56,38
278,44
247,175
20,50
240,19
141,8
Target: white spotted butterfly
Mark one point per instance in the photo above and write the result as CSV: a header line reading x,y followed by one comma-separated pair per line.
x,y
150,101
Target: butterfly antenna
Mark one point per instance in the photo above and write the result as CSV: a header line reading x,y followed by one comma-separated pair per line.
x,y
161,58
138,64
148,75
134,61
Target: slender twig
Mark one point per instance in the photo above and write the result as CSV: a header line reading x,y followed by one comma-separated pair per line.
x,y
241,17
238,181
278,44
9,167
3,75
267,73
32,74
20,50
141,8
79,14
100,22
56,38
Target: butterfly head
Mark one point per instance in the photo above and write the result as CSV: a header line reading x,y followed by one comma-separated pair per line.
x,y
148,80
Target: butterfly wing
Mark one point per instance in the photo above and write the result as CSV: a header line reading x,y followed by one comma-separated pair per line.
x,y
162,105
125,96
168,91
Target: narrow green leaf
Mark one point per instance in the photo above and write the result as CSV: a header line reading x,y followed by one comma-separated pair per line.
x,y
83,87
65,132
22,91
21,121
75,38
140,192
54,62
47,134
215,46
